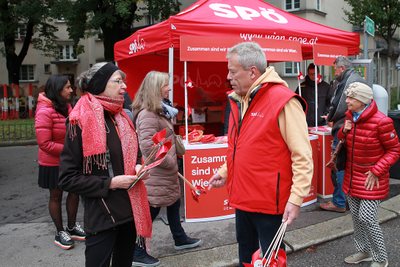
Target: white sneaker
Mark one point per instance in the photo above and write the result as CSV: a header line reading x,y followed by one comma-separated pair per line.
x,y
357,258
380,264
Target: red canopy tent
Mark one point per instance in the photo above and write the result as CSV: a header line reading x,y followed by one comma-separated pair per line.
x,y
156,47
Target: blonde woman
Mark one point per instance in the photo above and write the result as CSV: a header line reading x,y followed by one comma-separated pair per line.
x,y
153,112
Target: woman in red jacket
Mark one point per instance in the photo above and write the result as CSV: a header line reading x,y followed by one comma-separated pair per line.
x,y
51,112
372,148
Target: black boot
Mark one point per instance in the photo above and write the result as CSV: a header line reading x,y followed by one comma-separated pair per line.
x,y
187,242
142,259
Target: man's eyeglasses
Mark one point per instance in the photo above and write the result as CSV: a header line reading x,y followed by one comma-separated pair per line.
x,y
120,82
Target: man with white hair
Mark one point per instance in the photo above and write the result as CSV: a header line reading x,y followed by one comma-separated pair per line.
x,y
372,147
269,158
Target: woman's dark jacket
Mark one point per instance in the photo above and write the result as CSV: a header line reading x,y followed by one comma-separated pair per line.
x,y
103,208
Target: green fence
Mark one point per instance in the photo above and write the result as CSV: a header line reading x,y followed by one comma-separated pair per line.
x,y
17,130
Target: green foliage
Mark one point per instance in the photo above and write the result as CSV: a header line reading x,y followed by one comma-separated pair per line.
x,y
13,130
161,10
385,14
35,16
37,13
394,101
111,20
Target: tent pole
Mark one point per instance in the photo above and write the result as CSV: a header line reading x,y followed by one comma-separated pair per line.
x,y
298,79
186,102
171,73
316,95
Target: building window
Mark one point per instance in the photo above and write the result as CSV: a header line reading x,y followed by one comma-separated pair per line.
x,y
149,19
20,33
291,68
27,73
291,5
318,5
47,69
66,52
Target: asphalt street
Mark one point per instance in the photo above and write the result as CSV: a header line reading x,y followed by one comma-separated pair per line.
x,y
27,232
333,253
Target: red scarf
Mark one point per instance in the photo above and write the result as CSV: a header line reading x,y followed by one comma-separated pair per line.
x,y
88,114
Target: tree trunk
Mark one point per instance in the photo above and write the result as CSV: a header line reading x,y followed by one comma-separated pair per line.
x,y
14,61
111,36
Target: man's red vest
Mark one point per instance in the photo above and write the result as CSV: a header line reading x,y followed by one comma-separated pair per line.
x,y
259,161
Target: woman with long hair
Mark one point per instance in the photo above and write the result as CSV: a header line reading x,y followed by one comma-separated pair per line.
x,y
100,162
153,112
51,113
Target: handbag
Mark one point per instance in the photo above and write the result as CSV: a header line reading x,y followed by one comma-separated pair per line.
x,y
275,256
337,161
179,145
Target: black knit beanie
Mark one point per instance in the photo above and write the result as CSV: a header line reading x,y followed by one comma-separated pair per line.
x,y
98,83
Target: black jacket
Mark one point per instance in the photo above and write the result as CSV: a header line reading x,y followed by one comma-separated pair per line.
x,y
325,93
338,108
104,208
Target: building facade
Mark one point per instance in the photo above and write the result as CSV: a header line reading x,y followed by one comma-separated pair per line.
x,y
36,68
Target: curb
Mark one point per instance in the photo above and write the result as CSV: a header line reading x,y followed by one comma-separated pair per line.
x,y
226,256
18,143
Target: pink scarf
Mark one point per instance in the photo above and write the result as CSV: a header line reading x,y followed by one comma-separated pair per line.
x,y
88,114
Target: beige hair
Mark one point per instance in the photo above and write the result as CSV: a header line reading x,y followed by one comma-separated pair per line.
x,y
149,94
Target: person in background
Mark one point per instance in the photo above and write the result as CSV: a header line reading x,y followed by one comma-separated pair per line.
x,y
372,148
99,162
269,159
127,105
153,112
51,113
344,76
325,93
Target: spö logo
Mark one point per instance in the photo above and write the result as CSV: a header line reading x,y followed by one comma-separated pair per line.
x,y
137,45
246,13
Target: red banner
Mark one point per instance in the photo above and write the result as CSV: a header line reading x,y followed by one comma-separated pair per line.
x,y
214,49
326,54
200,163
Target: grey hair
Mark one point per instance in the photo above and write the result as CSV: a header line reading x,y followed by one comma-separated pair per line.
x,y
342,62
249,54
84,78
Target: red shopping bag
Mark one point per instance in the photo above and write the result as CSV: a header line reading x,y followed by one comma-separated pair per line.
x,y
272,258
258,261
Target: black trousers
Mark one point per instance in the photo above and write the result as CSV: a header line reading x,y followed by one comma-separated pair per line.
x,y
253,229
174,220
118,242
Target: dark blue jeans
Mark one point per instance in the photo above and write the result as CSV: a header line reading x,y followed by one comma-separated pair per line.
x,y
253,229
174,220
338,197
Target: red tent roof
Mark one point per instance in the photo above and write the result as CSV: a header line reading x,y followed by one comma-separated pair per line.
x,y
249,20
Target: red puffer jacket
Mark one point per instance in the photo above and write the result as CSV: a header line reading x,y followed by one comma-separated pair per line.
x,y
50,132
372,145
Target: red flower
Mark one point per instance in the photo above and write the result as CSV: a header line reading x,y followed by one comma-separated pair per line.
x,y
197,192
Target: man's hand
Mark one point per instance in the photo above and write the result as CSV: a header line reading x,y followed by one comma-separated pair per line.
x,y
216,181
371,181
292,211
